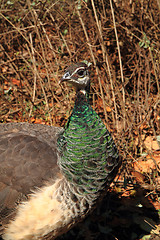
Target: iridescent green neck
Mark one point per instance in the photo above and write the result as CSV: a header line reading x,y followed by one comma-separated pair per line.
x,y
84,148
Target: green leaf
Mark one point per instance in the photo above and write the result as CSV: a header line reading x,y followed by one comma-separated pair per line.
x,y
65,31
158,138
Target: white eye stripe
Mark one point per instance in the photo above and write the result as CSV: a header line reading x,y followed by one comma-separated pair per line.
x,y
77,69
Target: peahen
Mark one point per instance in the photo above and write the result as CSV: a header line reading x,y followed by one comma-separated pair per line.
x,y
51,178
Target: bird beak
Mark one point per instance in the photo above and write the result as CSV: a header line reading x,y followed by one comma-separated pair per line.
x,y
65,77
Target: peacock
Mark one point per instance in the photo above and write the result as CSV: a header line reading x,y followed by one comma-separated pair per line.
x,y
51,178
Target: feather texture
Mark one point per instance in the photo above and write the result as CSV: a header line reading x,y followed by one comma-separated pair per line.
x,y
89,155
51,178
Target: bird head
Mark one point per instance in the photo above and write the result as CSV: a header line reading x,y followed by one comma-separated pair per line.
x,y
77,74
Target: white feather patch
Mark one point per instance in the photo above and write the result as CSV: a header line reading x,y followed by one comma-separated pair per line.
x,y
37,217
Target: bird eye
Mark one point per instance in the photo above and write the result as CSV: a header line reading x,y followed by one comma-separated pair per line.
x,y
81,73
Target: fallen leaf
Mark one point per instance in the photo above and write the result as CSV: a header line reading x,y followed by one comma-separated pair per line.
x,y
15,81
108,109
138,176
148,165
38,121
151,143
145,166
99,51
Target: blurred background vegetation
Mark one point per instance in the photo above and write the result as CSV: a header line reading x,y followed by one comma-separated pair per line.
x,y
39,39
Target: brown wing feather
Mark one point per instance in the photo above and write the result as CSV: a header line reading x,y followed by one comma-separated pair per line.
x,y
28,159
